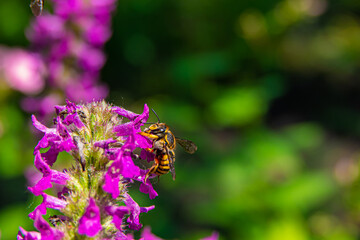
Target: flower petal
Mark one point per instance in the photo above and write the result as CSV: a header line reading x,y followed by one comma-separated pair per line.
x,y
47,232
117,213
25,235
135,210
89,223
111,185
48,202
147,188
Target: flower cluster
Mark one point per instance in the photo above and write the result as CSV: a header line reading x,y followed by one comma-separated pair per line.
x,y
93,200
70,42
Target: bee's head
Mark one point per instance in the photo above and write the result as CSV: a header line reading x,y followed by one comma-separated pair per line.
x,y
158,129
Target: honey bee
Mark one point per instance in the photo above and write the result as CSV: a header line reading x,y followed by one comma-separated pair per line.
x,y
164,143
37,7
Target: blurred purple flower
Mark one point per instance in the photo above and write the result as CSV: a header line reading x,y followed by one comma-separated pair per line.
x,y
23,71
70,43
43,106
45,30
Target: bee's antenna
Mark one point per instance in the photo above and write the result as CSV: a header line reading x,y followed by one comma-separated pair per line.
x,y
149,123
156,115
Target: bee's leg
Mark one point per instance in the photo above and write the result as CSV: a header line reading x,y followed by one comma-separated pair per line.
x,y
151,171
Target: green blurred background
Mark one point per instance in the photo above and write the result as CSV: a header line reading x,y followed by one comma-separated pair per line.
x,y
269,91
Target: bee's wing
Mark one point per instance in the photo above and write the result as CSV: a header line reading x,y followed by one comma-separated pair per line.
x,y
188,145
171,155
37,7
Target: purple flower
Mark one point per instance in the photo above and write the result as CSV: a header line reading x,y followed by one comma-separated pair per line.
x,y
97,34
71,42
86,90
111,184
43,106
133,127
147,188
118,214
89,223
46,29
104,144
48,202
125,113
91,59
72,117
146,155
135,118
47,232
49,176
122,166
24,71
135,210
58,139
24,235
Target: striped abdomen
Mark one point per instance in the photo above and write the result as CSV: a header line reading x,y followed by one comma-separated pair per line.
x,y
163,162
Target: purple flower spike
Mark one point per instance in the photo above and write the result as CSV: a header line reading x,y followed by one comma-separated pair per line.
x,y
47,232
89,223
48,202
135,210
